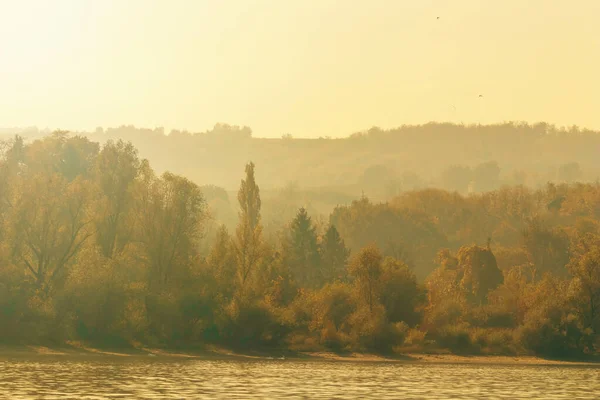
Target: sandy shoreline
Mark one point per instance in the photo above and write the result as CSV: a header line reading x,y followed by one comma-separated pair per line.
x,y
452,359
78,350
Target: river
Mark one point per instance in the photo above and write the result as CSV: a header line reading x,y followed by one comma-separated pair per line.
x,y
131,378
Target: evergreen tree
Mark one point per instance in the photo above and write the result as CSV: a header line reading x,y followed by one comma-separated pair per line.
x,y
334,255
305,259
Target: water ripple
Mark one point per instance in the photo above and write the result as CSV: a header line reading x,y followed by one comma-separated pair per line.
x,y
193,379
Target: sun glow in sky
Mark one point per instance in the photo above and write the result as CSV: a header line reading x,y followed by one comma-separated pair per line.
x,y
308,68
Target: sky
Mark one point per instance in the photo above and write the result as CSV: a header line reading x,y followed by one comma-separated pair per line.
x,y
308,68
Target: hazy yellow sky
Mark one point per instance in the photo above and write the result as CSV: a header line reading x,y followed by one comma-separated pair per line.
x,y
308,68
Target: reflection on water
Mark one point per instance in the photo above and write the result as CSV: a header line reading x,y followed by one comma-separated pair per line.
x,y
192,379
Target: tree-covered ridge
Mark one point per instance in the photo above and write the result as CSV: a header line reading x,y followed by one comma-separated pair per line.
x,y
95,246
379,162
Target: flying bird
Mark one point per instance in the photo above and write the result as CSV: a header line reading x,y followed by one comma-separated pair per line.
x,y
438,17
480,95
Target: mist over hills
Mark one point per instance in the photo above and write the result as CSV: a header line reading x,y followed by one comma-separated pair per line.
x,y
377,162
322,173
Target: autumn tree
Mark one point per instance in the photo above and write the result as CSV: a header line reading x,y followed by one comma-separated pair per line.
x,y
548,249
115,170
331,309
50,223
469,275
365,268
249,230
171,213
60,153
585,268
550,327
363,222
12,157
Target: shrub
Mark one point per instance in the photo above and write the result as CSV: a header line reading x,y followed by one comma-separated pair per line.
x,y
456,338
252,324
500,341
541,337
491,317
443,314
415,337
371,331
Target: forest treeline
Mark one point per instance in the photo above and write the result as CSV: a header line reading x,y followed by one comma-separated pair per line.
x,y
97,247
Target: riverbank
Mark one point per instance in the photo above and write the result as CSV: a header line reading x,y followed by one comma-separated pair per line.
x,y
456,359
82,351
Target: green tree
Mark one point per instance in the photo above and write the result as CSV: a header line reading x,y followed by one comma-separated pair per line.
x,y
479,272
401,295
334,255
221,261
304,258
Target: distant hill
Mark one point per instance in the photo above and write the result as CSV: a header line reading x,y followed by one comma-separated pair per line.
x,y
378,162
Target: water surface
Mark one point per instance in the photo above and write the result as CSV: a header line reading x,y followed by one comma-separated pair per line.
x,y
155,378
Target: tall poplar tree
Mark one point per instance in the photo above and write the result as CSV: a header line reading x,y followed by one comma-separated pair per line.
x,y
249,229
